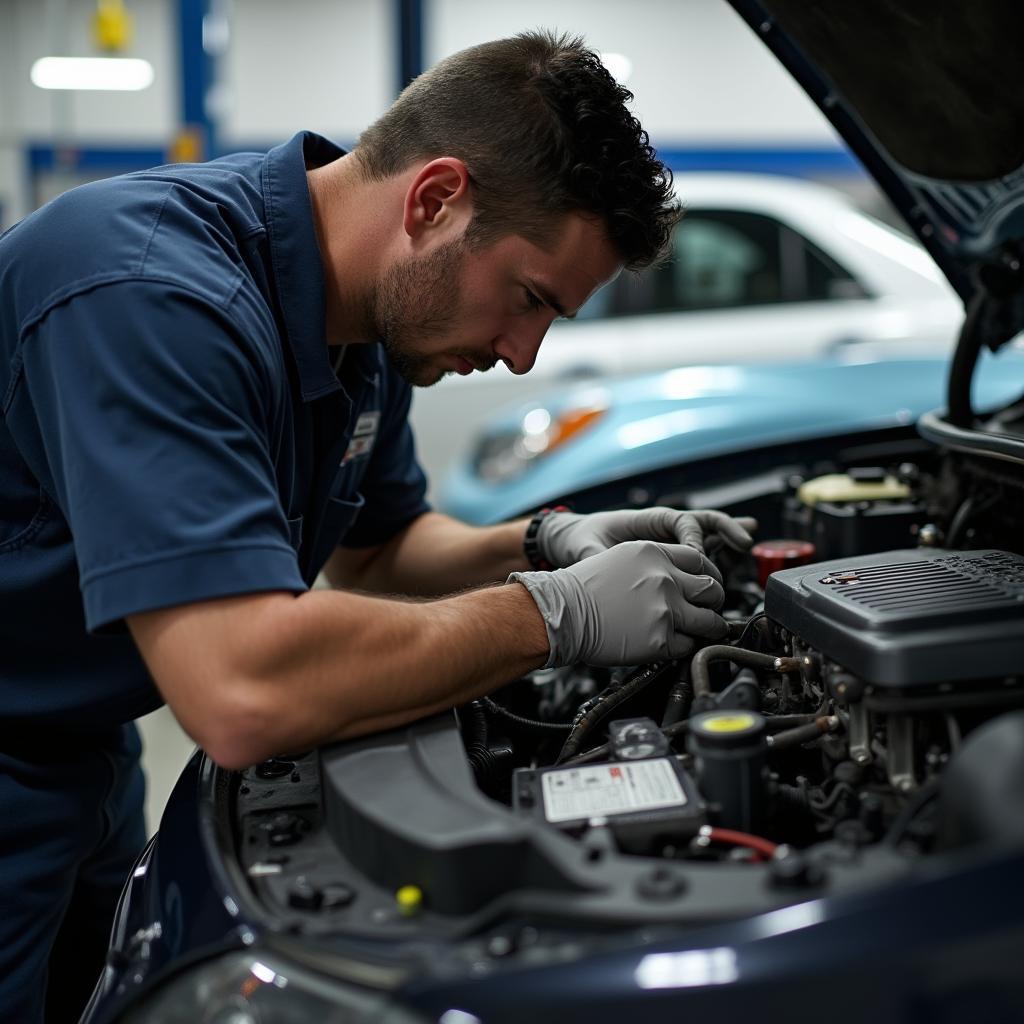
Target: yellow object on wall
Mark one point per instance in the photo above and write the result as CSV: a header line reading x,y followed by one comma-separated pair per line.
x,y
186,147
111,26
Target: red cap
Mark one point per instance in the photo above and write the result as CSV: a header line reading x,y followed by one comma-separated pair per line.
x,y
772,555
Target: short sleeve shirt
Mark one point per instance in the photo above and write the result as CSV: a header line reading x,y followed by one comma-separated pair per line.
x,y
172,428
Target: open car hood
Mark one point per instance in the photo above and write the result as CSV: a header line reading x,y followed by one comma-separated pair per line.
x,y
930,98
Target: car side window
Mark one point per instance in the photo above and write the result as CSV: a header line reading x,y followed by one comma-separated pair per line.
x,y
728,259
724,259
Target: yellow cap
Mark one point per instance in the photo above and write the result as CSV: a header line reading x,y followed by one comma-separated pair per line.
x,y
409,899
728,723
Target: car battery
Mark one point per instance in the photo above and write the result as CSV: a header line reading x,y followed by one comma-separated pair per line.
x,y
645,803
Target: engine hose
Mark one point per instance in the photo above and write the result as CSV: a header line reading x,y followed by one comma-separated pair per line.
x,y
961,373
483,760
486,764
778,723
475,719
680,698
586,724
526,723
701,674
803,733
794,798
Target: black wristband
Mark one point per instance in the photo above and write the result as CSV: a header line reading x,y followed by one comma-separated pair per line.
x,y
530,545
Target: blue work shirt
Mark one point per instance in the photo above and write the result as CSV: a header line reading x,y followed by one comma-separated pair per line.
x,y
172,427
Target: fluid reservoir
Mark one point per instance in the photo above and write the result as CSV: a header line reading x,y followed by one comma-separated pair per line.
x,y
729,751
772,555
855,513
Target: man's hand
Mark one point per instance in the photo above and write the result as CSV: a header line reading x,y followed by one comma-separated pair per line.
x,y
636,603
566,538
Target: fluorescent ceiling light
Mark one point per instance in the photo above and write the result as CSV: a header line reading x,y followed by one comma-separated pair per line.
x,y
126,73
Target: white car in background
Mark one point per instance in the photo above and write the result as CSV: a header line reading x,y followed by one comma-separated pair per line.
x,y
763,268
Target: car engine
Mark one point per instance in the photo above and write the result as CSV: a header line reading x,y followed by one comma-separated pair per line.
x,y
861,726
864,700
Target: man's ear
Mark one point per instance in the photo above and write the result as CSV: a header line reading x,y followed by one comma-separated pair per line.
x,y
438,198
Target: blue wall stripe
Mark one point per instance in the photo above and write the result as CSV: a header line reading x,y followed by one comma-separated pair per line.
x,y
794,161
111,159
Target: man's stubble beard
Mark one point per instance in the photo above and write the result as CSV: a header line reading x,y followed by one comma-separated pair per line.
x,y
417,301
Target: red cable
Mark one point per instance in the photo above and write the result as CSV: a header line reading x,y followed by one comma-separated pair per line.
x,y
727,835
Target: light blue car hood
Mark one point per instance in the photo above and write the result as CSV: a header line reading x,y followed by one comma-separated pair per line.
x,y
697,412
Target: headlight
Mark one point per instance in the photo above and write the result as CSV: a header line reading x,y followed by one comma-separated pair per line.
x,y
249,988
505,456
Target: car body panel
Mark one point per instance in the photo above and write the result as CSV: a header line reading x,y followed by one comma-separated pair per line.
x,y
701,411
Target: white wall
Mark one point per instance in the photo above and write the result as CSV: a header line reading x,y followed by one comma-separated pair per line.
x,y
37,28
326,65
700,77
699,74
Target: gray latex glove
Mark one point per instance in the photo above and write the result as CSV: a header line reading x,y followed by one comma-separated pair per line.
x,y
565,537
635,603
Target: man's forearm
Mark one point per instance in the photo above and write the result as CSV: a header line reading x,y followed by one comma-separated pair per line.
x,y
435,555
285,673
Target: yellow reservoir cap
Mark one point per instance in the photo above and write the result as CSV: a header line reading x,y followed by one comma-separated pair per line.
x,y
841,487
409,899
731,722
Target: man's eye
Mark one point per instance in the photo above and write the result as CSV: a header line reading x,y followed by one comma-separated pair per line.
x,y
531,300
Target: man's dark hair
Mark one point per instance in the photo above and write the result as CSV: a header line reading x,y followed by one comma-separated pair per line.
x,y
544,131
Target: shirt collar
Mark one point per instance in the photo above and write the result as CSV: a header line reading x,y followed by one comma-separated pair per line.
x,y
295,255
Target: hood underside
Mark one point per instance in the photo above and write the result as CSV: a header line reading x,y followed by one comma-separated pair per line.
x,y
939,84
929,96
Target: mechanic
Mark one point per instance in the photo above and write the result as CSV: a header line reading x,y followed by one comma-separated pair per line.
x,y
205,377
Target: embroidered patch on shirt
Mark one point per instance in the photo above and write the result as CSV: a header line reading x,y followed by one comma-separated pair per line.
x,y
362,437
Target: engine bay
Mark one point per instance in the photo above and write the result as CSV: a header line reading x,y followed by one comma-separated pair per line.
x,y
861,720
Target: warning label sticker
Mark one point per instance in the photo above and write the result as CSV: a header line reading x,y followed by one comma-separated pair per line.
x,y
602,789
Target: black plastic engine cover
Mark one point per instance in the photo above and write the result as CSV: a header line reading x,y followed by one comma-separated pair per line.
x,y
905,618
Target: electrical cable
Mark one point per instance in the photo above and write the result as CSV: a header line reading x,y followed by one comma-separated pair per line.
x,y
750,623
680,698
526,723
601,709
764,848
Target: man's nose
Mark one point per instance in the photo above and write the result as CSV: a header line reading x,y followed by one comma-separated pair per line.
x,y
517,348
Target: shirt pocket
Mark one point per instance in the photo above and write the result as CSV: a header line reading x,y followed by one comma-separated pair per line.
x,y
15,535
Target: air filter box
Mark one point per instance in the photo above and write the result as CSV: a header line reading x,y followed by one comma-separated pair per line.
x,y
908,618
